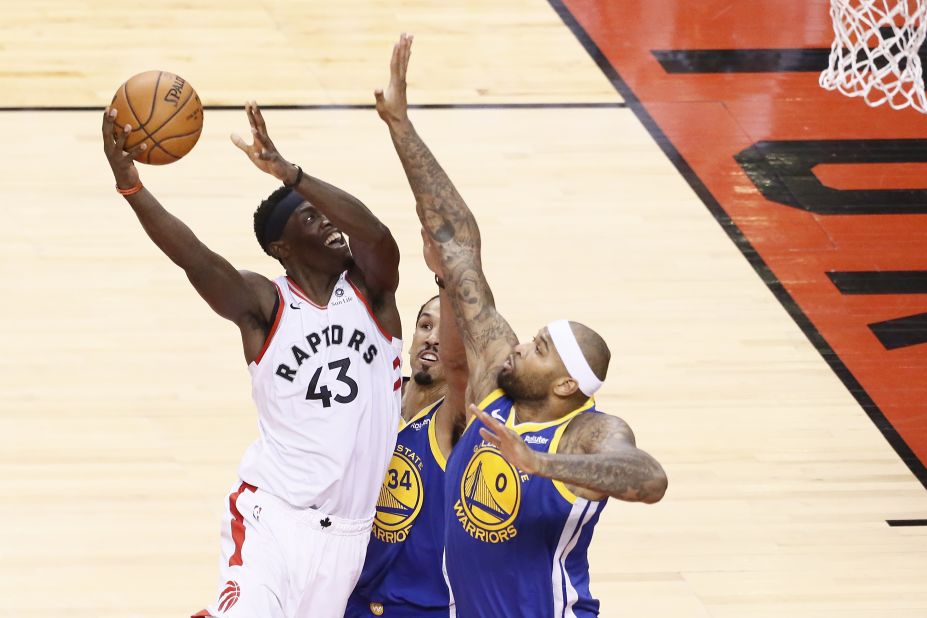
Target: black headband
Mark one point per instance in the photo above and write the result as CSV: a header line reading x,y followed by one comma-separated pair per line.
x,y
273,229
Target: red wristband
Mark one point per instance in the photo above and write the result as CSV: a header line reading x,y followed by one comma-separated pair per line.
x,y
130,191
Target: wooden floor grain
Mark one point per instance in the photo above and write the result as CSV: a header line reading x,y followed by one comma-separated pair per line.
x,y
126,404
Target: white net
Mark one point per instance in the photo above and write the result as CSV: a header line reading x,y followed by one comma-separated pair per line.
x,y
875,52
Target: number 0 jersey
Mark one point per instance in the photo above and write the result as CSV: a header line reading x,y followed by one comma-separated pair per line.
x,y
402,575
327,390
516,545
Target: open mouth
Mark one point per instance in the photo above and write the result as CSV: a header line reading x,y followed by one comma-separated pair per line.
x,y
428,357
335,239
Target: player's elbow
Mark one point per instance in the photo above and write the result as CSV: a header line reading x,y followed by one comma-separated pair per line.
x,y
383,244
377,242
379,262
381,234
654,488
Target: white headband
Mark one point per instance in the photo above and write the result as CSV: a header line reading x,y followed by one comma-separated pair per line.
x,y
573,359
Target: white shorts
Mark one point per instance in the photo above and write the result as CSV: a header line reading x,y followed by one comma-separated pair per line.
x,y
278,561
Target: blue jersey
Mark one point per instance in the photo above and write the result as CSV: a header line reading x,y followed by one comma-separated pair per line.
x,y
516,544
402,574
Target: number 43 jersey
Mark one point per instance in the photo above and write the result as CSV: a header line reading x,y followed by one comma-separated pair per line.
x,y
327,389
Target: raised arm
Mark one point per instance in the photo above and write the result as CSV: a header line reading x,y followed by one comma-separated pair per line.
x,y
488,338
451,349
598,458
245,298
375,251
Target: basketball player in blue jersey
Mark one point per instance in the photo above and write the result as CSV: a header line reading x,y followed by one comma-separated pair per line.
x,y
528,479
323,347
403,575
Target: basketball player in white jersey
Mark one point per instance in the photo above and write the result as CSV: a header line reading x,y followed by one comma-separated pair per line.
x,y
322,344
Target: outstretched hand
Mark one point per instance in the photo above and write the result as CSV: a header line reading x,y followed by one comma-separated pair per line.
x,y
120,160
262,151
391,103
509,443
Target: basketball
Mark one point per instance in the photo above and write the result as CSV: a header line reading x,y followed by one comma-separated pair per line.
x,y
164,111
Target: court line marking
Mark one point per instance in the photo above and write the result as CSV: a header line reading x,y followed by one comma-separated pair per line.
x,y
906,522
875,414
343,106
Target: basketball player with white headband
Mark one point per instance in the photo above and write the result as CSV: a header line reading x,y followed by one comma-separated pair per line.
x,y
572,356
528,479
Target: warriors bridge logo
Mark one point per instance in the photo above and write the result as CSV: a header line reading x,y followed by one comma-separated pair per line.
x,y
490,495
401,497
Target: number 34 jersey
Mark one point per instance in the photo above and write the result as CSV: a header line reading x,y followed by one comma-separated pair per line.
x,y
327,390
403,574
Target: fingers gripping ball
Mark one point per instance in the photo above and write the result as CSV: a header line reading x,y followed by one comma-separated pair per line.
x,y
164,111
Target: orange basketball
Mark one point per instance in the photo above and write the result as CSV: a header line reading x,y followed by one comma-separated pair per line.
x,y
165,112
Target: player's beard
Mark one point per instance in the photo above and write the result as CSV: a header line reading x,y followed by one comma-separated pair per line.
x,y
519,388
423,378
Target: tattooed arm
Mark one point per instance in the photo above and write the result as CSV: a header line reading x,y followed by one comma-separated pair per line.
x,y
597,458
487,337
452,416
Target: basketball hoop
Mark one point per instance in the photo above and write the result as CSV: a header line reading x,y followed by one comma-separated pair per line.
x,y
875,52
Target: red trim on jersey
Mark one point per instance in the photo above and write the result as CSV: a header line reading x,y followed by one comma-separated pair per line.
x,y
363,298
238,524
296,290
397,385
396,363
273,329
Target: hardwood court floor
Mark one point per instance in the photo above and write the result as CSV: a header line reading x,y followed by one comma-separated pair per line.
x,y
126,404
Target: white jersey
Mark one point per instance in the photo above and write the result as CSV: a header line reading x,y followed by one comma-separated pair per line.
x,y
327,390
